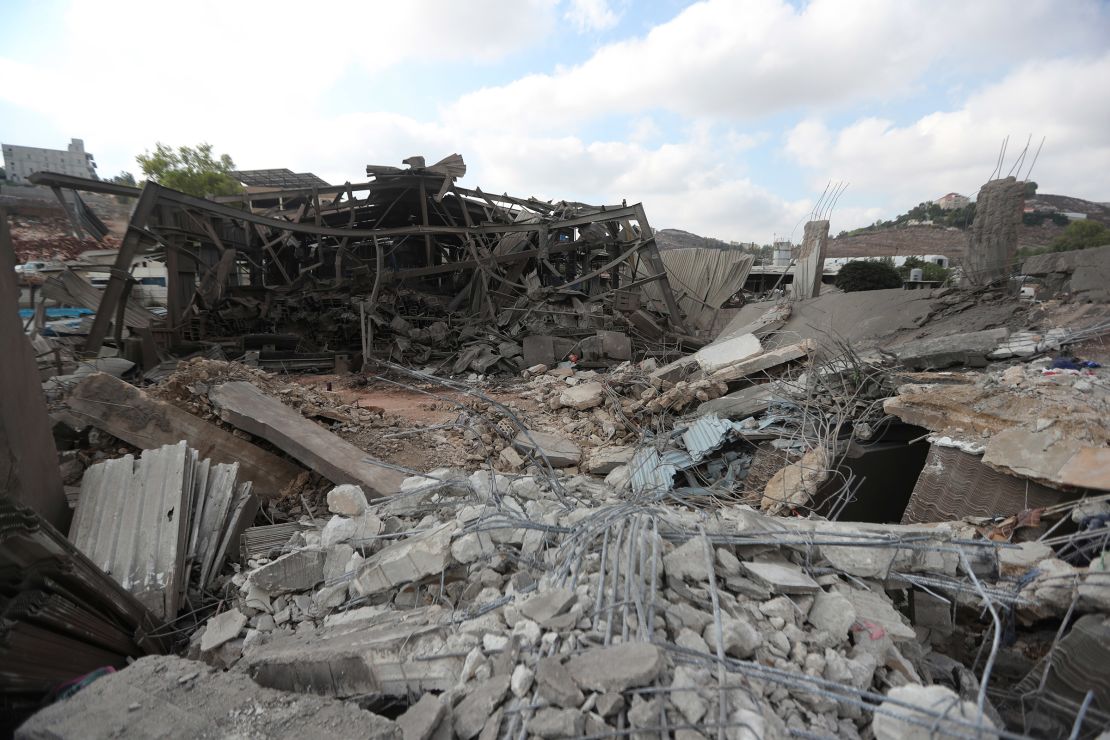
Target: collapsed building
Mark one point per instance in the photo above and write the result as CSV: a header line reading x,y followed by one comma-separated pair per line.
x,y
548,489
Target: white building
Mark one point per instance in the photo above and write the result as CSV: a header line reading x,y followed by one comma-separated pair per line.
x,y
22,161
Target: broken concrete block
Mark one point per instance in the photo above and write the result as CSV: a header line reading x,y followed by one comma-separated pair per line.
x,y
684,694
295,571
939,705
833,613
740,637
553,723
406,561
559,451
511,458
521,680
472,712
605,460
687,561
937,353
543,608
1017,561
796,484
555,684
357,530
347,499
713,357
616,668
221,628
875,610
783,578
164,696
609,703
471,547
422,718
583,396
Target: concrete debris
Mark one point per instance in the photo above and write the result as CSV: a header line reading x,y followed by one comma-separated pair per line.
x,y
617,668
556,450
608,521
165,696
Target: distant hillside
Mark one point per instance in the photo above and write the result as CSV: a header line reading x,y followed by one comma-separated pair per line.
x,y
679,239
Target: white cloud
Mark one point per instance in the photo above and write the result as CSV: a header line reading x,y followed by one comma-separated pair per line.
x,y
956,150
722,58
592,15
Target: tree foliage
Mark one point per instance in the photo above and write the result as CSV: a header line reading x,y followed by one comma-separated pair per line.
x,y
191,170
868,275
1082,235
929,270
124,178
1030,188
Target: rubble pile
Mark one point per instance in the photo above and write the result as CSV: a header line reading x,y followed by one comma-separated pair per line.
x,y
554,608
540,495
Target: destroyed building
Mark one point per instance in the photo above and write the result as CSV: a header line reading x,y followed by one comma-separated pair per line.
x,y
547,486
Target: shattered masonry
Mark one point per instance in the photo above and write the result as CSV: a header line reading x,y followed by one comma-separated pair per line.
x,y
553,484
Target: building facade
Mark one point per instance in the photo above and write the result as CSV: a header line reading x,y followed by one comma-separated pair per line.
x,y
952,201
22,161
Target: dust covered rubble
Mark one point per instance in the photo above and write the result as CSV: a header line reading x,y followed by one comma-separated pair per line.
x,y
551,607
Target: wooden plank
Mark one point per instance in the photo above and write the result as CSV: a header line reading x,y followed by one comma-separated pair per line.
x,y
126,412
339,461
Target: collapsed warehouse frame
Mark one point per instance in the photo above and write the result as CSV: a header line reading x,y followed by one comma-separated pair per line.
x,y
407,256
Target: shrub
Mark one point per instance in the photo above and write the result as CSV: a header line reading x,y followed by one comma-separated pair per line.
x,y
1082,235
867,275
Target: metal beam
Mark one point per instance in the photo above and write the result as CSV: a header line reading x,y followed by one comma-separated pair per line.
x,y
58,180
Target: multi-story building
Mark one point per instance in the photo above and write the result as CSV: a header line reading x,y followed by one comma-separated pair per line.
x,y
952,201
21,161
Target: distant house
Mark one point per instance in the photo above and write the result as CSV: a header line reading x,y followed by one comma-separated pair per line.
x,y
952,201
22,161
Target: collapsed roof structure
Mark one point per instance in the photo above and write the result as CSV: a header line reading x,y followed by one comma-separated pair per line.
x,y
408,257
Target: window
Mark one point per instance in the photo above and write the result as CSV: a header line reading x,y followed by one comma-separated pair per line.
x,y
159,281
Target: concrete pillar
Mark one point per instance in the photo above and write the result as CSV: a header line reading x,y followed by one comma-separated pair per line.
x,y
811,260
992,246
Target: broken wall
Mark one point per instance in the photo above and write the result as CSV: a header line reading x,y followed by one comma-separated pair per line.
x,y
992,246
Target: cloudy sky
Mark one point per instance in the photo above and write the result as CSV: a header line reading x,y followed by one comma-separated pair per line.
x,y
725,117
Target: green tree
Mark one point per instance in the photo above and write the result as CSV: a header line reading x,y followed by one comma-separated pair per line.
x,y
1030,188
191,170
868,275
1082,235
123,178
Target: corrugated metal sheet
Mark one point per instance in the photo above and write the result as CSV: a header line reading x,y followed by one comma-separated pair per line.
x,y
648,474
706,435
69,289
702,279
150,523
954,484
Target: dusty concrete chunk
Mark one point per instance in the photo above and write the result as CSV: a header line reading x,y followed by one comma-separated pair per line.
x,y
163,696
560,451
740,637
552,723
875,610
555,684
583,396
607,459
295,571
472,712
347,499
688,561
422,718
544,607
221,628
896,722
358,530
406,561
521,680
617,668
472,546
796,484
684,691
833,613
609,703
713,357
1017,561
951,349
785,578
